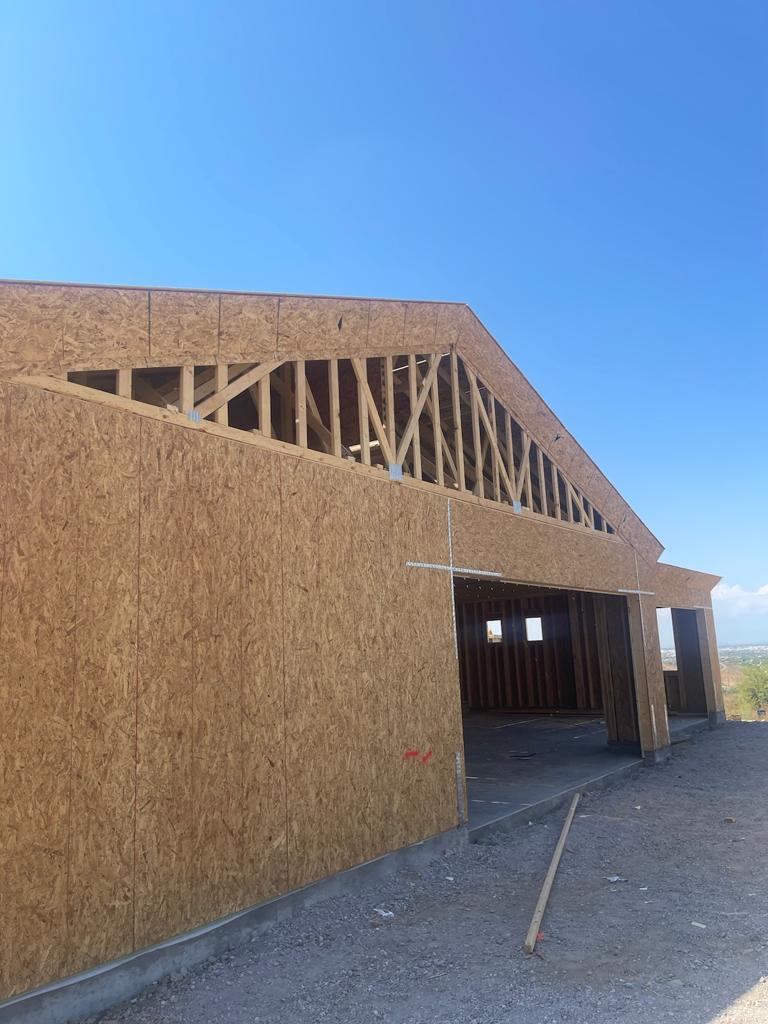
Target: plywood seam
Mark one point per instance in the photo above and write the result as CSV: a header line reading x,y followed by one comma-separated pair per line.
x,y
149,326
5,477
287,854
136,682
78,540
7,424
277,348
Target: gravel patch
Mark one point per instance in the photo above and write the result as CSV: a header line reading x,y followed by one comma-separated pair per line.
x,y
685,937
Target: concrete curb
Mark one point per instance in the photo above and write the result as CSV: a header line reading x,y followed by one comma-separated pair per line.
x,y
94,991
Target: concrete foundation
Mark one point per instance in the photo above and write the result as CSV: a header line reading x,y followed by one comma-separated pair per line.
x,y
96,990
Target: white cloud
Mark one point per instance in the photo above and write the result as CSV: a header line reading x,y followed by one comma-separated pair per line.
x,y
734,599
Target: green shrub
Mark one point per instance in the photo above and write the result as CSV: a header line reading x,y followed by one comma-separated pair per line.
x,y
752,689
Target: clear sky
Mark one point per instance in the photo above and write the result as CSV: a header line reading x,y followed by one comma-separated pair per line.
x,y
592,177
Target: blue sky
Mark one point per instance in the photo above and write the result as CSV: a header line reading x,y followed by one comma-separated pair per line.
x,y
590,177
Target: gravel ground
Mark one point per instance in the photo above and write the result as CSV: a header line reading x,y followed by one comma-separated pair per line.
x,y
684,937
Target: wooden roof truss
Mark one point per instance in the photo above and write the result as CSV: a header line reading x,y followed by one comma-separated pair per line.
x,y
429,415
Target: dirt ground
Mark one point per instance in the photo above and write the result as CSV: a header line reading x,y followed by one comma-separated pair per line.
x,y
685,937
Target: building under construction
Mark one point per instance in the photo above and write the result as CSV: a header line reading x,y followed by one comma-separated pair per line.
x,y
266,560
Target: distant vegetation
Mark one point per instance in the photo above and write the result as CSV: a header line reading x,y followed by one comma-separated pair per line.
x,y
744,671
752,689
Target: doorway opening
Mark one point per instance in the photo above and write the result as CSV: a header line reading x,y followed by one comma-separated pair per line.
x,y
547,691
684,664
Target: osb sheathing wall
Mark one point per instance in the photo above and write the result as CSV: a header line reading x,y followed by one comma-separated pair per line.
x,y
214,662
59,328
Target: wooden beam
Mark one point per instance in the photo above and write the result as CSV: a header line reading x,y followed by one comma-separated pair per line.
x,y
301,404
389,392
186,389
474,398
524,476
265,405
533,932
124,381
221,414
402,387
372,414
510,453
287,412
412,429
542,481
499,462
437,431
556,491
458,439
576,500
490,426
333,390
315,420
364,425
144,392
226,392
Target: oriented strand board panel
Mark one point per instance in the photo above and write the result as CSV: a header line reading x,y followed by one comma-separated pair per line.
x,y
264,849
332,537
104,328
710,659
55,327
420,326
31,328
36,678
100,870
165,809
6,766
52,328
321,328
526,550
386,327
424,710
213,579
648,673
248,332
676,587
184,328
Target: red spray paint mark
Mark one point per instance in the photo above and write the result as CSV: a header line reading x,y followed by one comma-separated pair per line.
x,y
410,753
426,757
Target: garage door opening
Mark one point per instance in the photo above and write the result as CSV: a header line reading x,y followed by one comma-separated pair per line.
x,y
547,691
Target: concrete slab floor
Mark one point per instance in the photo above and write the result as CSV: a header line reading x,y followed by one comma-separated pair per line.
x,y
515,762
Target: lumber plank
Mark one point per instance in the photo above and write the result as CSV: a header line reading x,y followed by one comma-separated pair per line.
x,y
458,439
411,430
530,940
542,481
478,449
373,417
333,387
301,403
124,381
491,434
437,432
186,389
227,391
